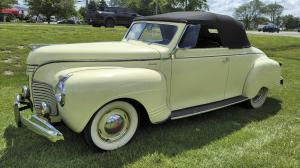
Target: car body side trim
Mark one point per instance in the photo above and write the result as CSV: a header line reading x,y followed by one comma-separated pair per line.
x,y
223,55
191,111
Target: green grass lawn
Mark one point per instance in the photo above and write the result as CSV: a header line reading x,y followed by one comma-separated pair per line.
x,y
231,137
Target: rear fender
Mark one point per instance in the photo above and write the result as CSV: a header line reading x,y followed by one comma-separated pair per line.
x,y
264,73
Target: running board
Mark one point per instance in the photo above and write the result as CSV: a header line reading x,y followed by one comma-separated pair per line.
x,y
191,111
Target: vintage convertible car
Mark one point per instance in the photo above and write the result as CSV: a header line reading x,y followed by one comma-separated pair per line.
x,y
167,66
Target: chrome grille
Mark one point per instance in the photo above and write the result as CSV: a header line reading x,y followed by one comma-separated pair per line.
x,y
42,92
31,68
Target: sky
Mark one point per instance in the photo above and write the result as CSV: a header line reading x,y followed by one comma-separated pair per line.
x,y
227,6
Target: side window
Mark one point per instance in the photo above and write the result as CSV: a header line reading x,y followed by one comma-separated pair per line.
x,y
197,36
109,9
131,11
209,38
190,37
121,10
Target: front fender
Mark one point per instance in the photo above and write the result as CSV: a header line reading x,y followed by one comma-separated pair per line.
x,y
264,73
87,90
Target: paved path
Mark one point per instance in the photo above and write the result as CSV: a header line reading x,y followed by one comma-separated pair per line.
x,y
288,34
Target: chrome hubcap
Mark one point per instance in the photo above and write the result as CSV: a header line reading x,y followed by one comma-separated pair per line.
x,y
113,125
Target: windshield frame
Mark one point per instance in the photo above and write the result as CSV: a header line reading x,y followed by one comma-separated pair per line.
x,y
156,23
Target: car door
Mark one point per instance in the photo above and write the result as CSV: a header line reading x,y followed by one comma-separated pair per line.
x,y
199,75
240,64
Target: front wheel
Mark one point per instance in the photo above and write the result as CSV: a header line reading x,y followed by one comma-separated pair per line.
x,y
259,100
112,127
110,23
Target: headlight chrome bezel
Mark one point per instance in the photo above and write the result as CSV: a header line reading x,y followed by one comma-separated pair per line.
x,y
60,90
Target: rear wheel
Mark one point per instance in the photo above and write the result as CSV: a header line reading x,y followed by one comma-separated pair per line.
x,y
112,127
96,25
110,23
259,100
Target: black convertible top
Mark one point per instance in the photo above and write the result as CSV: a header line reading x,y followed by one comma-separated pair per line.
x,y
232,32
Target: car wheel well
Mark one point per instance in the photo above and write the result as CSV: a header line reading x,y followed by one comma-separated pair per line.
x,y
109,18
142,112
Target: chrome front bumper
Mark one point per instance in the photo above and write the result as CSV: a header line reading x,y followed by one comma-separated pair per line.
x,y
34,122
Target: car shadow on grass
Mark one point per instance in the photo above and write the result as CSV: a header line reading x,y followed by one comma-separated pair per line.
x,y
25,149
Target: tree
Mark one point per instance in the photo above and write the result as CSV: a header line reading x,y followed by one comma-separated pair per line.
x,y
148,7
48,8
274,11
290,22
250,12
92,6
82,11
102,5
35,8
192,5
117,3
7,3
66,9
242,13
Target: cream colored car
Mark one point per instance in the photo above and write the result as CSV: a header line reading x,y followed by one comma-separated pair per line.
x,y
168,66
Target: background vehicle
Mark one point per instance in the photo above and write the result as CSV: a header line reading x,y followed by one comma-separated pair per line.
x,y
73,20
271,28
260,27
113,16
66,21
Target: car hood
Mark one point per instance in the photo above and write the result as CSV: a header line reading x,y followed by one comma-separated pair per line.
x,y
101,51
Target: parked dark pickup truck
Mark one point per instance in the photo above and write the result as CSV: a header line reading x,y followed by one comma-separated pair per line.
x,y
113,16
271,28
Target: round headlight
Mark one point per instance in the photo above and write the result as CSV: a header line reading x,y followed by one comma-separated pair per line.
x,y
25,92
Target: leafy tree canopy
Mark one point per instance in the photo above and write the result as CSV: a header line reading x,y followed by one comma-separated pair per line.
x,y
102,5
7,3
274,11
290,22
48,8
148,7
250,12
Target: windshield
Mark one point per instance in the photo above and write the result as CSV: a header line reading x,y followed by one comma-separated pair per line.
x,y
152,33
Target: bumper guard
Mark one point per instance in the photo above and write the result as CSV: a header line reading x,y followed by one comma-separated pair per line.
x,y
33,122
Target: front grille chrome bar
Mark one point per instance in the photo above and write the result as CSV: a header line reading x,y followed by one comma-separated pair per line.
x,y
43,92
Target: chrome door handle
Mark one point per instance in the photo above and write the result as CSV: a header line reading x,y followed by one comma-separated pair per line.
x,y
225,60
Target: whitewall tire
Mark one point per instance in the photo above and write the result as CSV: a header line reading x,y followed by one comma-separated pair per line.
x,y
260,99
113,126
